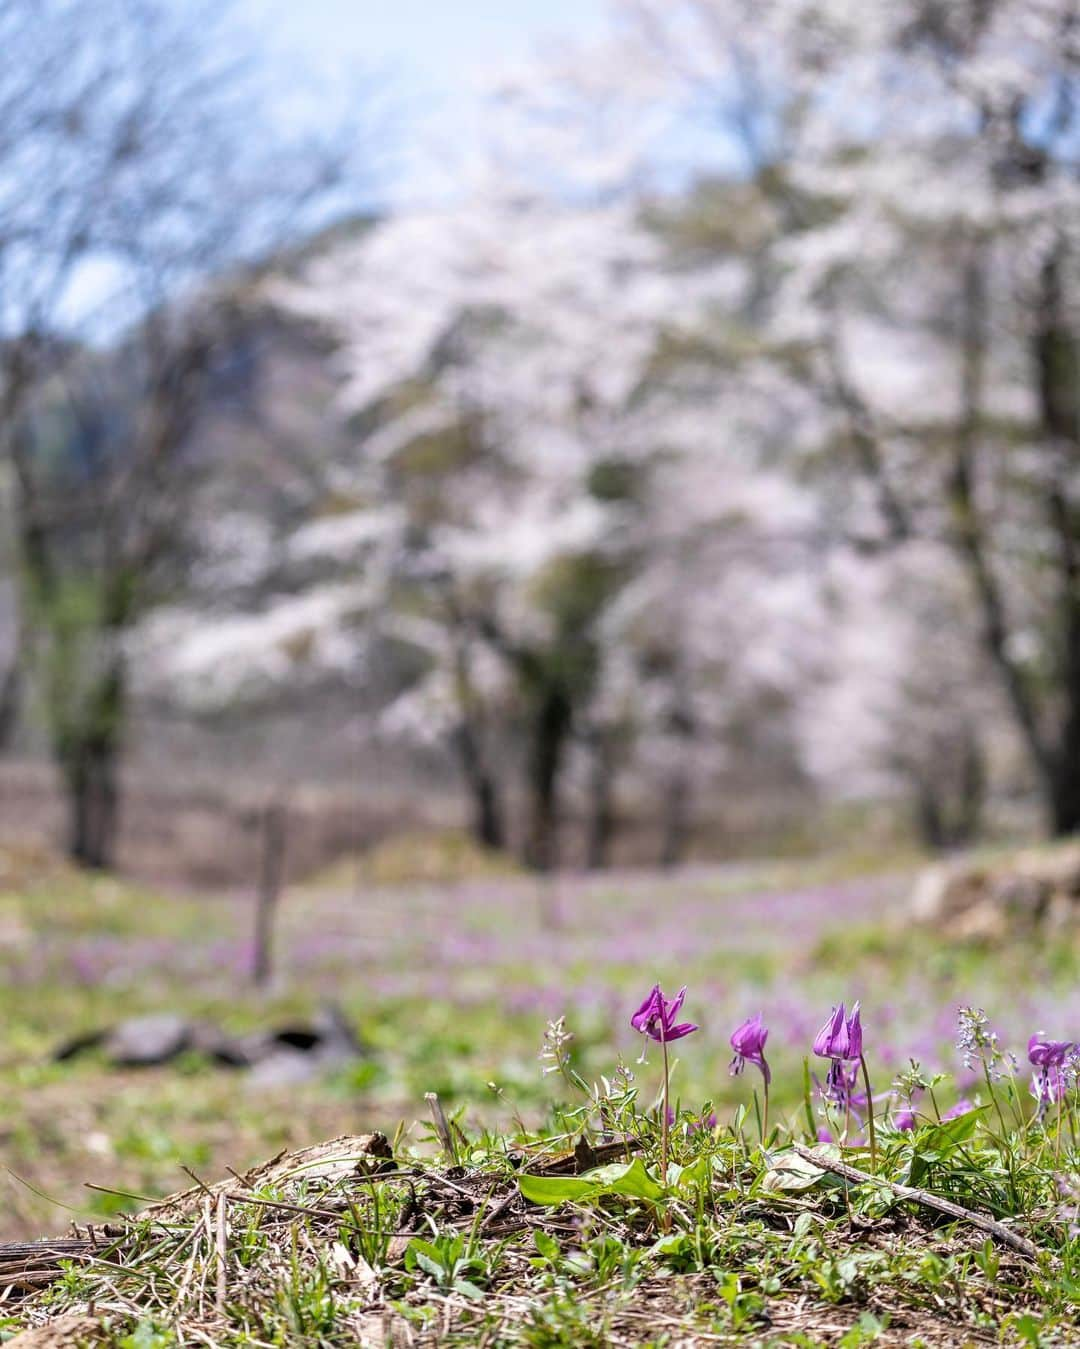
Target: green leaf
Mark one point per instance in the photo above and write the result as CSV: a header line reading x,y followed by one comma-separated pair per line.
x,y
628,1178
675,1243
429,1266
950,1134
624,1178
698,1172
468,1289
555,1189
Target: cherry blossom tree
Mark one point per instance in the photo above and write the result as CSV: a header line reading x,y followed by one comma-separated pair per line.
x,y
920,278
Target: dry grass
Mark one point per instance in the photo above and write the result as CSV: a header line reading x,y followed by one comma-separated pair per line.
x,y
319,1247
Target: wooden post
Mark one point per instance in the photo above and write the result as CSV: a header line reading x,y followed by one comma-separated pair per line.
x,y
273,821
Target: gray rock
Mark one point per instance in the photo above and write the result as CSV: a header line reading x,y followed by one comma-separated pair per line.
x,y
284,1067
145,1041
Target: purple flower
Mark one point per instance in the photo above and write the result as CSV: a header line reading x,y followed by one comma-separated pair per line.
x,y
1044,1053
962,1106
748,1042
841,1036
840,1086
904,1120
656,1016
1048,1086
1053,1059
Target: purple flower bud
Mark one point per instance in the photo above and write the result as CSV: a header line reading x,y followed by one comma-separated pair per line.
x,y
831,1040
854,1030
841,1036
748,1042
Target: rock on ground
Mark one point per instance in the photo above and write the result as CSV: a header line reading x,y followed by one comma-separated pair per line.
x,y
993,900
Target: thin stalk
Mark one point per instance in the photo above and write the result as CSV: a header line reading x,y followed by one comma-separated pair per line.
x,y
664,1134
765,1113
1006,1149
664,1121
1060,1126
869,1113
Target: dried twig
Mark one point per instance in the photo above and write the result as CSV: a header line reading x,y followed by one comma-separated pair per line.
x,y
932,1201
222,1254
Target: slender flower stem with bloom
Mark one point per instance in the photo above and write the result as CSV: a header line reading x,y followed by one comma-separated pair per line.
x,y
748,1042
655,1018
840,1041
1050,1085
979,1044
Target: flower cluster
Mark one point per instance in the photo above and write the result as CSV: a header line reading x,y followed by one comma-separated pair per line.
x,y
840,1041
979,1044
1057,1063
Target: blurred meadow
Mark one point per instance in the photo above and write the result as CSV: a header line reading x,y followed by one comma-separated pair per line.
x,y
450,980
501,507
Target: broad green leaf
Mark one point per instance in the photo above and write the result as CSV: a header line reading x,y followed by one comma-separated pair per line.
x,y
429,1266
624,1178
628,1178
698,1172
946,1136
555,1189
468,1289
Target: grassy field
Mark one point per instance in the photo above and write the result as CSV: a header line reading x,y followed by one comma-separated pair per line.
x,y
450,981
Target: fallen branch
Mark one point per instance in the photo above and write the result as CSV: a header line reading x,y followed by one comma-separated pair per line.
x,y
932,1201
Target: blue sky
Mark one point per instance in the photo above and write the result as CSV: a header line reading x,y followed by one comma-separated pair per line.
x,y
439,42
431,55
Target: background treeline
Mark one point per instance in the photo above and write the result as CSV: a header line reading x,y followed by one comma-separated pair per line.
x,y
709,463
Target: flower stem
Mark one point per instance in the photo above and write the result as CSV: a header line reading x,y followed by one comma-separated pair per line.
x,y
1006,1149
664,1118
765,1113
869,1113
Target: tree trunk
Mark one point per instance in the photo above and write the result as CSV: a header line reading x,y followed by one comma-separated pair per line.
x,y
602,803
87,746
682,726
10,697
486,824
550,730
487,816
1056,759
676,834
929,815
93,801
1057,363
969,810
